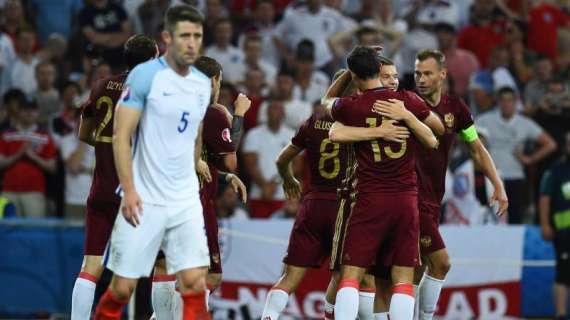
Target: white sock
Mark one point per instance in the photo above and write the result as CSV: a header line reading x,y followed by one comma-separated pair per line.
x,y
162,298
381,316
82,298
177,306
366,305
329,310
346,307
275,304
402,303
429,291
417,303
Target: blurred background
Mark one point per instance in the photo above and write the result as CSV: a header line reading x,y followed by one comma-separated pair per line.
x,y
282,54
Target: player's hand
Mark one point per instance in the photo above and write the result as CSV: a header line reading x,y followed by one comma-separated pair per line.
x,y
500,196
237,186
390,131
132,208
242,104
393,108
292,188
547,233
203,171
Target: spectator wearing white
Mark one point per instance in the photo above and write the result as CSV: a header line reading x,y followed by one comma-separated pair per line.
x,y
264,26
310,83
312,21
508,133
536,88
228,55
430,12
261,147
46,95
22,73
251,59
296,111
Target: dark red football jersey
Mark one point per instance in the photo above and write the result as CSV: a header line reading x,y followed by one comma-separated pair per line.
x,y
216,141
101,107
382,167
326,160
432,164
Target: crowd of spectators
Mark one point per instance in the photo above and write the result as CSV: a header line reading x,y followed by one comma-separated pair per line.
x,y
509,59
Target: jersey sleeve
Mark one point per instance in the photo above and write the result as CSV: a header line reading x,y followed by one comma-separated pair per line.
x,y
465,125
216,133
300,137
338,110
546,187
416,105
137,85
88,106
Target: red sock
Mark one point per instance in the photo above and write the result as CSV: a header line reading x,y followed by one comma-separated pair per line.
x,y
109,307
195,306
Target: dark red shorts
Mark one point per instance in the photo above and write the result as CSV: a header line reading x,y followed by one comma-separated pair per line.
x,y
310,242
430,238
99,223
382,225
343,212
211,224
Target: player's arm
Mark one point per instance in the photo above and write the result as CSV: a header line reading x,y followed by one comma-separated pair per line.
x,y
335,90
396,110
435,124
198,144
242,105
86,130
483,160
291,186
125,124
388,131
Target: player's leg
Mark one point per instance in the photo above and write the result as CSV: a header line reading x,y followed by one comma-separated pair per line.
x,y
279,295
436,259
113,301
330,296
189,258
163,292
405,252
99,222
84,289
366,295
382,298
346,306
130,255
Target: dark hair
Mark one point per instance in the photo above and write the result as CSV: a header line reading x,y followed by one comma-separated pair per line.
x,y
208,66
363,62
506,90
180,13
251,38
385,61
14,94
435,54
221,21
66,84
305,51
286,71
364,31
25,29
44,63
138,49
444,27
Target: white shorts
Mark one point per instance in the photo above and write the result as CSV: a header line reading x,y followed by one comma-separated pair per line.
x,y
178,231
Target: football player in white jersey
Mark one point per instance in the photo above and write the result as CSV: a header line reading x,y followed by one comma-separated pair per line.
x,y
157,142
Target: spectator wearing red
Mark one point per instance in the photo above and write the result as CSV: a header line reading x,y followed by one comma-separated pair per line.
x,y
543,24
27,153
485,32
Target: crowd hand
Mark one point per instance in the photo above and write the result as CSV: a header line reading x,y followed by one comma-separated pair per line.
x,y
242,104
393,108
389,130
268,190
132,208
292,188
203,171
523,159
238,186
499,196
547,233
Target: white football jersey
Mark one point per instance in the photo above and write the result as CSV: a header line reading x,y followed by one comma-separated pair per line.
x,y
163,146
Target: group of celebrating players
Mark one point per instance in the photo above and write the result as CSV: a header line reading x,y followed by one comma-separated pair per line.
x,y
377,159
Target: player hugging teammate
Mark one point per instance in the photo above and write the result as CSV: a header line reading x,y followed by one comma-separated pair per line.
x,y
397,146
